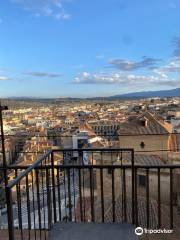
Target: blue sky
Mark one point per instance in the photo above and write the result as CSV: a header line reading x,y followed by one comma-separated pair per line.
x,y
82,48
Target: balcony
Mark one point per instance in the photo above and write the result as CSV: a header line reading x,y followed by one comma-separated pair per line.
x,y
89,194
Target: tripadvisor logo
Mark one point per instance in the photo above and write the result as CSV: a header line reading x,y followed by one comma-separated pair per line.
x,y
139,231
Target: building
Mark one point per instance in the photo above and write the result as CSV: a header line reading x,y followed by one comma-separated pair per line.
x,y
147,133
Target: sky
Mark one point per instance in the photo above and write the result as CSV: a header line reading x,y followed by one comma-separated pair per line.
x,y
88,48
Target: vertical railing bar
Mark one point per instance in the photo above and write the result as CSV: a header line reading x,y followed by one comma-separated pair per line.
x,y
121,186
92,158
136,199
33,204
171,198
38,200
124,194
69,195
111,158
91,195
10,213
147,198
65,192
19,208
102,194
48,200
74,193
44,212
53,187
83,186
59,195
113,197
80,196
132,183
28,206
45,161
159,199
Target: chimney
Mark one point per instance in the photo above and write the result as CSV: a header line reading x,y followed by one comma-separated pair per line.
x,y
144,122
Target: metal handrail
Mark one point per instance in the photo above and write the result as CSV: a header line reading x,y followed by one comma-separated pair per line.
x,y
40,160
28,170
53,193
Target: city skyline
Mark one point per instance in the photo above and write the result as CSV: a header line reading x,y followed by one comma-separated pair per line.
x,y
73,48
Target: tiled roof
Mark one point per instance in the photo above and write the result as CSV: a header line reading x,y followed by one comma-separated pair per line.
x,y
142,220
141,209
134,126
144,159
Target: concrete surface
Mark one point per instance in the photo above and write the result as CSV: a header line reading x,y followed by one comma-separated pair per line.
x,y
92,231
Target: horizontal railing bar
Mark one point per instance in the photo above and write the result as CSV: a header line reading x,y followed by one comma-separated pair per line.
x,y
40,160
167,166
110,166
15,181
28,170
58,150
93,150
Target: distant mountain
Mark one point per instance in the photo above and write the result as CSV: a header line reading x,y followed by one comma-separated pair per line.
x,y
133,95
149,94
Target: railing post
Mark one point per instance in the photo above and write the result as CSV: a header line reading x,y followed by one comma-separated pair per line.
x,y
69,195
171,198
53,186
133,202
10,213
48,200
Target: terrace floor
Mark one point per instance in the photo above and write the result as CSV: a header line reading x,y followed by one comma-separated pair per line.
x,y
92,231
25,235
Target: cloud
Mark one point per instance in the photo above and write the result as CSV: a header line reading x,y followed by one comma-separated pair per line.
x,y
43,74
126,80
87,78
176,44
4,78
128,65
172,67
46,8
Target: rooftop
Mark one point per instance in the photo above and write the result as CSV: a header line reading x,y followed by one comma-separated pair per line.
x,y
146,123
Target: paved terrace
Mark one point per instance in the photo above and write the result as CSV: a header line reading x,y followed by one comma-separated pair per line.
x,y
92,231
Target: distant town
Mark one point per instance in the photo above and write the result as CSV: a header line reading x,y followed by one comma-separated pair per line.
x,y
37,125
149,128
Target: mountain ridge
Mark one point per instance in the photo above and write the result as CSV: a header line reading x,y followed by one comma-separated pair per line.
x,y
148,94
132,95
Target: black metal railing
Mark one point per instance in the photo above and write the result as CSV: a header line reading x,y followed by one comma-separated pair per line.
x,y
90,185
30,146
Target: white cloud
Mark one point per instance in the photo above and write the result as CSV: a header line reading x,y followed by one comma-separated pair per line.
x,y
4,78
170,69
126,80
152,75
46,8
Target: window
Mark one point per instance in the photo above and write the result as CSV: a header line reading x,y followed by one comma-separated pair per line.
x,y
142,180
142,145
